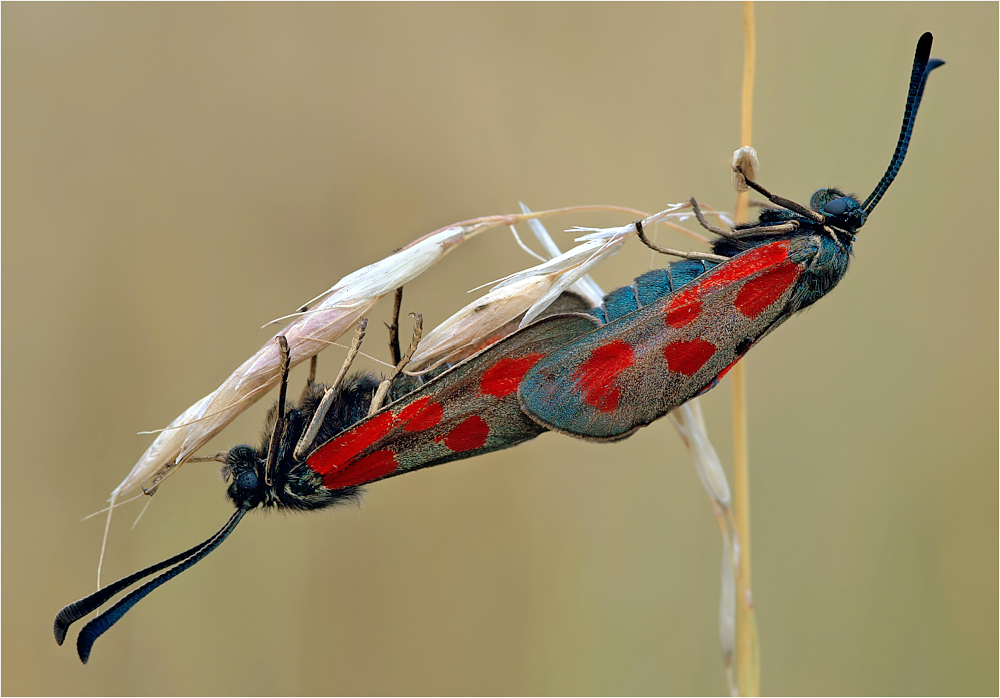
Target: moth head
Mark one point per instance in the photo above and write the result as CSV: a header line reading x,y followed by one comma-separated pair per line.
x,y
841,210
244,472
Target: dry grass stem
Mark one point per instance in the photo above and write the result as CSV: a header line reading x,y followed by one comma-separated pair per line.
x,y
747,642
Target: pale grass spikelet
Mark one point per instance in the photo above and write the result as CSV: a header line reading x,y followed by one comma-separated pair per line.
x,y
727,608
568,268
164,448
386,275
311,332
479,319
585,286
746,160
528,292
691,424
307,336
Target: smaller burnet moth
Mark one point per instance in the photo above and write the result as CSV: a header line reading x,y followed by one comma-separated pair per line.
x,y
596,374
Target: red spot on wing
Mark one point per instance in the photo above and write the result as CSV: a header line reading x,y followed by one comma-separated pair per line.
x,y
605,400
470,434
372,467
746,264
421,414
345,447
688,356
503,377
595,376
737,269
758,294
680,313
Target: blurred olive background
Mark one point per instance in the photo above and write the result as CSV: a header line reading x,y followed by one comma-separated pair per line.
x,y
177,175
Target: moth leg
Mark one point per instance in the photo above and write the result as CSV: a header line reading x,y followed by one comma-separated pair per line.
x,y
704,223
383,388
789,227
312,376
782,201
280,424
219,457
676,253
309,435
159,477
394,328
352,353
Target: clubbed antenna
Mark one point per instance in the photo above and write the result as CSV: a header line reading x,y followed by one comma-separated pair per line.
x,y
922,66
98,626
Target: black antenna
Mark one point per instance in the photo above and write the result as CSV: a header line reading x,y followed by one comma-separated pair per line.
x,y
922,66
97,627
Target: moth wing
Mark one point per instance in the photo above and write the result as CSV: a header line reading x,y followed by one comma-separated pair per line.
x,y
638,368
470,409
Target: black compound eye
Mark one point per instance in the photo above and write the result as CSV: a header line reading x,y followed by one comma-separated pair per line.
x,y
246,480
835,207
243,472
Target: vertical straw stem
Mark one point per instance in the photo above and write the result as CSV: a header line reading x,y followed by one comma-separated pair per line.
x,y
747,648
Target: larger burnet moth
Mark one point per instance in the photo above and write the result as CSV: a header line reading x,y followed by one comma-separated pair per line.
x,y
597,374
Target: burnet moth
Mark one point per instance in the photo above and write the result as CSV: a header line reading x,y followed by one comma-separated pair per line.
x,y
597,374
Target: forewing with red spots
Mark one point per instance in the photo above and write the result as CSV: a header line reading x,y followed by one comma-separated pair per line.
x,y
634,370
470,409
